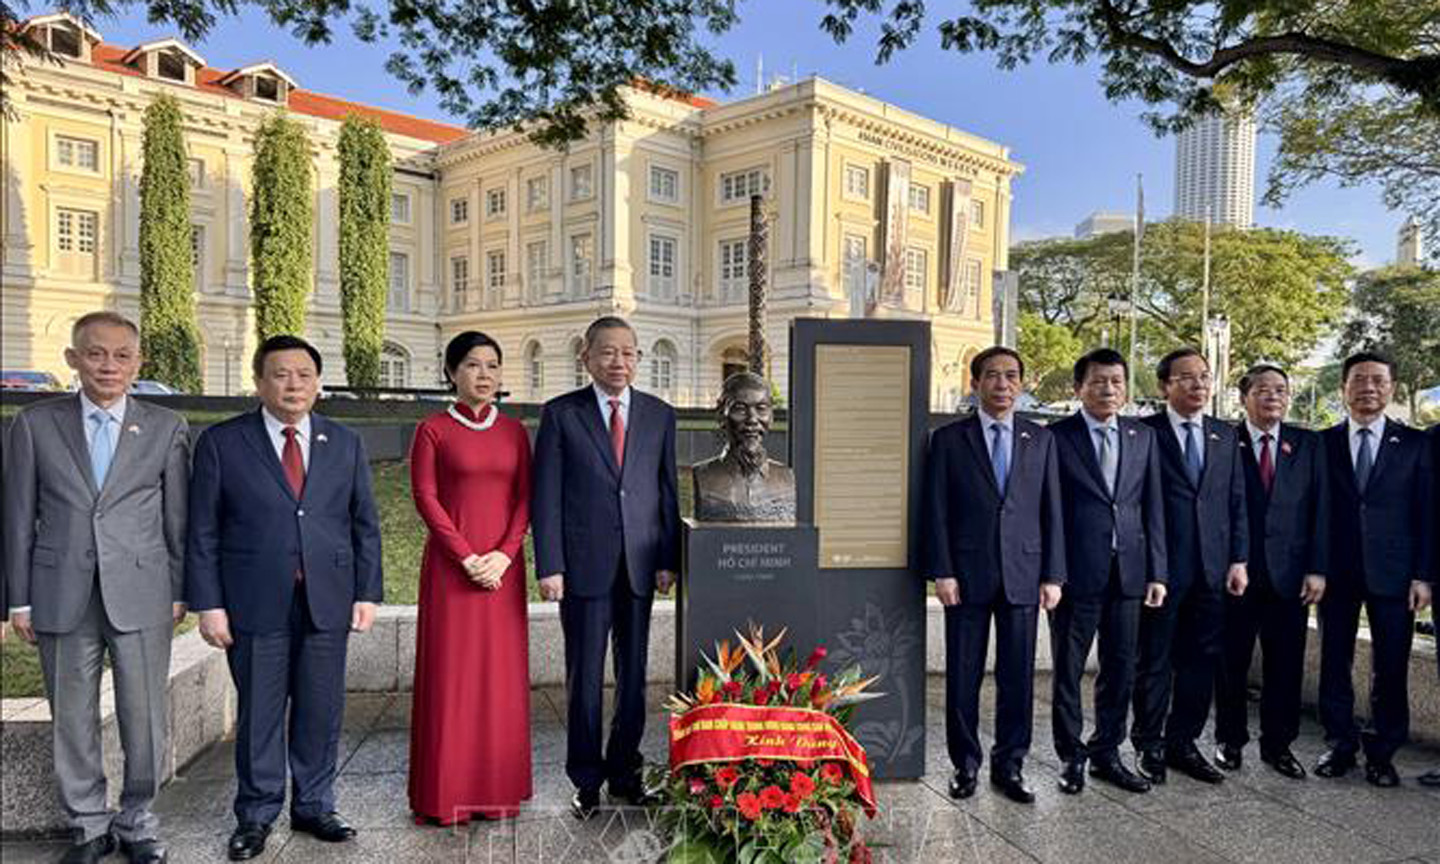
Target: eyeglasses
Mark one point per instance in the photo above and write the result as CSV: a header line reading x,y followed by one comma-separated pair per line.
x,y
1204,379
629,355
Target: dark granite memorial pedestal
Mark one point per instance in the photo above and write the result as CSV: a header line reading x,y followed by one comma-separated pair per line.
x,y
734,574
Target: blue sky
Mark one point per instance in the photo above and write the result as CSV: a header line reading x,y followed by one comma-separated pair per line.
x,y
1081,152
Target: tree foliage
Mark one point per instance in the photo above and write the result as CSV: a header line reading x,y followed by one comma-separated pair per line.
x,y
1050,351
545,65
170,336
1281,291
281,221
364,246
1396,310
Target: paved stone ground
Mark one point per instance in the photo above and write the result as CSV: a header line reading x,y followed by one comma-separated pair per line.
x,y
1255,816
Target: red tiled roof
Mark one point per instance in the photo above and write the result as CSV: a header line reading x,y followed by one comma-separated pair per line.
x,y
207,79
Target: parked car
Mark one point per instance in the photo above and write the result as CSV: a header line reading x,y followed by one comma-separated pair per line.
x,y
145,387
30,381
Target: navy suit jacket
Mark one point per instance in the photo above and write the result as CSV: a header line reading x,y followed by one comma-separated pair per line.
x,y
1289,527
1382,536
1205,528
994,542
1134,516
587,513
248,535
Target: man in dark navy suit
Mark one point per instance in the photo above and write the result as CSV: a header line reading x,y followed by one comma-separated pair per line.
x,y
1207,543
282,562
995,546
1382,558
606,518
1432,778
1288,504
1114,560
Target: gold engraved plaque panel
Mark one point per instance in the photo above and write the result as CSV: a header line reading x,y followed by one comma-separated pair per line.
x,y
862,435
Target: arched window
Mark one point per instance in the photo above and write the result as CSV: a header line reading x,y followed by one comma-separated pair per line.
x,y
581,376
732,360
535,370
394,365
662,369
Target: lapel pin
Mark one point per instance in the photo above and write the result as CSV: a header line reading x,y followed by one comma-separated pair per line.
x,y
133,430
1130,432
1025,436
1285,447
1214,436
1394,439
1244,445
321,439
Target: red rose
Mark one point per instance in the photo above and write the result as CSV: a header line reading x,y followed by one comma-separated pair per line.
x,y
815,657
832,772
697,786
733,688
801,784
792,803
772,797
762,696
726,777
716,801
794,682
749,805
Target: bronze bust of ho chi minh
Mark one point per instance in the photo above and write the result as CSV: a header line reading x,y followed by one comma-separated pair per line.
x,y
743,484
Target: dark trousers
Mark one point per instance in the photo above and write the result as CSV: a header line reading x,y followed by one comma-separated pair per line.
x,y
1074,625
302,669
967,636
1392,629
1175,673
623,621
1281,624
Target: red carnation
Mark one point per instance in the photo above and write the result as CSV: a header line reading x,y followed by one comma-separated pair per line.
x,y
794,682
733,688
697,786
820,682
762,696
772,797
749,805
792,803
832,772
716,801
726,777
801,784
815,657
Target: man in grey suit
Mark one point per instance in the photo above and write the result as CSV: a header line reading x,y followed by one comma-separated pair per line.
x,y
95,487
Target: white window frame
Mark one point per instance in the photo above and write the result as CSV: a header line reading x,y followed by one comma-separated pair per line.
x,y
402,289
919,198
495,203
977,213
460,210
404,215
537,193
459,281
536,267
535,369
733,188
579,280
496,272
582,191
393,356
67,149
732,269
917,263
856,186
663,275
660,177
974,284
196,167
662,368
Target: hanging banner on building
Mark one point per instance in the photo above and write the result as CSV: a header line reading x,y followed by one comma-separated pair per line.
x,y
953,295
897,210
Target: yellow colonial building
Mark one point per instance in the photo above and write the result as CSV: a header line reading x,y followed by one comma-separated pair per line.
x,y
872,211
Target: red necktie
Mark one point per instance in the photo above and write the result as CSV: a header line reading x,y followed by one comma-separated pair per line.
x,y
617,432
1267,463
293,462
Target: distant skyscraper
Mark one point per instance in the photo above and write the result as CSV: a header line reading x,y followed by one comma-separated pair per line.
x,y
1410,244
1215,167
1104,223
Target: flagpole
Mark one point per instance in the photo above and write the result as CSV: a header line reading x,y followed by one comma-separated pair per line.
x,y
1135,279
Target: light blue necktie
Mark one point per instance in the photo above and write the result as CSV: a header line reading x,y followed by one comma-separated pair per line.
x,y
1364,460
1109,467
101,447
1193,466
999,458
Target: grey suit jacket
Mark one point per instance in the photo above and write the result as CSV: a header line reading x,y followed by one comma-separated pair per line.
x,y
59,527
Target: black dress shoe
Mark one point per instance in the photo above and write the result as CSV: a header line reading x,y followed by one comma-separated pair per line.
x,y
634,795
962,785
1072,777
1381,774
143,851
327,826
1190,763
247,841
91,851
1012,785
585,803
1285,763
1229,757
1152,767
1334,763
1430,778
1114,772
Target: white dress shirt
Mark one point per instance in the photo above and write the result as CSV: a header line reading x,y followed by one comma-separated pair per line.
x,y
1176,419
604,399
1376,426
1256,433
276,432
987,425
